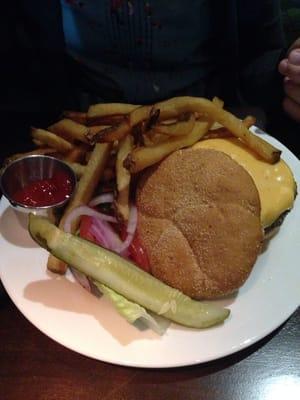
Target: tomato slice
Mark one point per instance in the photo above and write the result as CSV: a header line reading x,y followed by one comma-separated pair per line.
x,y
136,251
85,228
139,255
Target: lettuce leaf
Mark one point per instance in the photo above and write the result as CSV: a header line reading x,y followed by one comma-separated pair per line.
x,y
133,312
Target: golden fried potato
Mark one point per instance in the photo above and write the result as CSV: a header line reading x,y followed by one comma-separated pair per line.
x,y
179,105
50,139
70,130
83,194
143,157
76,116
123,178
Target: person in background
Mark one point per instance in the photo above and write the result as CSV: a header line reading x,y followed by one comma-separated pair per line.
x,y
71,53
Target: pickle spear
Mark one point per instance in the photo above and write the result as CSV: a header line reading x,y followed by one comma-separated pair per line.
x,y
124,277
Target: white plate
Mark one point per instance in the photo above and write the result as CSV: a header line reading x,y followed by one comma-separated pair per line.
x,y
65,312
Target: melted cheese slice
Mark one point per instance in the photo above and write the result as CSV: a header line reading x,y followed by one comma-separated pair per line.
x,y
275,182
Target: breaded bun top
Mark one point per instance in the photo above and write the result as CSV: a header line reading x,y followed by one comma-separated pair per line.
x,y
199,222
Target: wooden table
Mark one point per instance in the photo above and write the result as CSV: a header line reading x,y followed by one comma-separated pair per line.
x,y
32,366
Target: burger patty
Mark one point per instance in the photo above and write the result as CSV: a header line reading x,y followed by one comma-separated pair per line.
x,y
199,222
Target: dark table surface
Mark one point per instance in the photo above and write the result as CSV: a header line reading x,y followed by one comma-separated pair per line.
x,y
33,366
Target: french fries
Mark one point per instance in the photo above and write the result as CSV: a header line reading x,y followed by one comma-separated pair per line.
x,y
70,130
183,127
249,121
76,116
119,131
153,137
47,138
77,168
90,178
123,178
108,120
110,134
110,112
140,114
77,153
179,105
83,194
218,131
94,130
143,157
105,109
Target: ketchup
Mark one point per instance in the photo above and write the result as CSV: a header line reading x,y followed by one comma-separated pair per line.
x,y
45,192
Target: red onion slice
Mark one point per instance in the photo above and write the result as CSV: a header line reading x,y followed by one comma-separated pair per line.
x,y
99,236
85,210
102,198
107,231
131,228
107,237
132,222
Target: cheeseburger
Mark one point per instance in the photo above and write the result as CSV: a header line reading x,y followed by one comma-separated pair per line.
x,y
202,215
